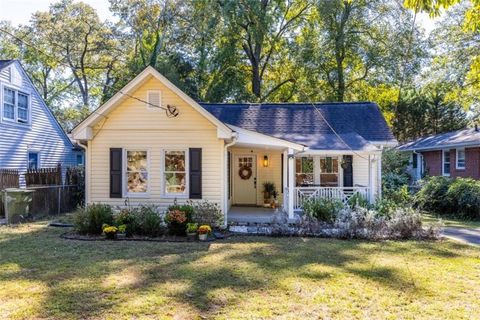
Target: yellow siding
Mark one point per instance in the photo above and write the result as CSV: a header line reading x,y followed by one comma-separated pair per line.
x,y
271,173
133,126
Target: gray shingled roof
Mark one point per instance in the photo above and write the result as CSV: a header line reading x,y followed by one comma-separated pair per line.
x,y
358,123
459,138
5,63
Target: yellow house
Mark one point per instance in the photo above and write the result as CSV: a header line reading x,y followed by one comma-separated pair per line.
x,y
151,144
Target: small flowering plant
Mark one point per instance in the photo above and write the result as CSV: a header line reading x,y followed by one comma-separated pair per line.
x,y
109,231
176,216
204,229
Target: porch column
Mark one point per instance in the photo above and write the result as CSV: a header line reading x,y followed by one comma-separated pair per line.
x,y
291,182
370,180
379,176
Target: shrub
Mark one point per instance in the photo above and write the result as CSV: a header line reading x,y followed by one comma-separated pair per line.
x,y
357,200
176,221
322,209
464,195
149,221
187,208
90,219
192,227
206,212
433,195
129,218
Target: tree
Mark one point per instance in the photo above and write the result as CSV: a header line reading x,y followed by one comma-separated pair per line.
x,y
262,28
425,112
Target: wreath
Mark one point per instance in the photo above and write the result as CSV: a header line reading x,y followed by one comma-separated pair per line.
x,y
245,172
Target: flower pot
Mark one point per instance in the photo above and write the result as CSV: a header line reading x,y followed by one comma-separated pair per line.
x,y
121,235
203,237
192,236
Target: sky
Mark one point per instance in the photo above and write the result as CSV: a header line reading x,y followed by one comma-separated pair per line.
x,y
20,11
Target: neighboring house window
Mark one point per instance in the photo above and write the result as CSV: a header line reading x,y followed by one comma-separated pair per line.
x,y
304,171
175,172
328,172
79,159
460,158
137,172
446,163
15,105
33,160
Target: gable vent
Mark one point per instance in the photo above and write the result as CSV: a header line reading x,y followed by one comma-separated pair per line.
x,y
154,97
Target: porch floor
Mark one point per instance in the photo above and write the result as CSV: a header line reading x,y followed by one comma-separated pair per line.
x,y
251,214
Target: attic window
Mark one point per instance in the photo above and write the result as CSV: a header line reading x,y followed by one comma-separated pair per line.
x,y
154,98
15,106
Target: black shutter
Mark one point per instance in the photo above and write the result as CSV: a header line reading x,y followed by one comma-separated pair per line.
x,y
347,171
116,172
195,173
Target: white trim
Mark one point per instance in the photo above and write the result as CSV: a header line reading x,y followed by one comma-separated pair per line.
x,y
223,131
164,194
33,151
14,121
255,138
125,193
449,162
446,146
464,159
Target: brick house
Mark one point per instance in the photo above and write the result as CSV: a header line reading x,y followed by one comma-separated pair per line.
x,y
452,154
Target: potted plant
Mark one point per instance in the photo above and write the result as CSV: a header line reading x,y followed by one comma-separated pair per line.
x,y
176,220
275,200
268,189
110,232
203,232
192,229
122,231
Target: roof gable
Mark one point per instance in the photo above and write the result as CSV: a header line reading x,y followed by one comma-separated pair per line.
x,y
100,113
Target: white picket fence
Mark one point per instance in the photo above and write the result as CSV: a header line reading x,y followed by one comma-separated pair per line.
x,y
342,193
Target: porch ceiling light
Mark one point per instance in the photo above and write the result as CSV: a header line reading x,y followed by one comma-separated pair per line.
x,y
265,161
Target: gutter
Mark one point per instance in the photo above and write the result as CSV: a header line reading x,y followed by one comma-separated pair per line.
x,y
225,178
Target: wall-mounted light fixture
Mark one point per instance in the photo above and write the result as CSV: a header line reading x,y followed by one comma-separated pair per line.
x,y
265,161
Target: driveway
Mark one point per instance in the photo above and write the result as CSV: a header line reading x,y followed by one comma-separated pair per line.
x,y
470,236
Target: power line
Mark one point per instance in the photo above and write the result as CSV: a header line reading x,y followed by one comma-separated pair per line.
x,y
171,111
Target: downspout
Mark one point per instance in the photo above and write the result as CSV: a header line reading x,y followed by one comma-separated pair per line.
x,y
225,182
85,160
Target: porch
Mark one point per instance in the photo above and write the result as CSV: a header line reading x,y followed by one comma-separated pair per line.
x,y
299,174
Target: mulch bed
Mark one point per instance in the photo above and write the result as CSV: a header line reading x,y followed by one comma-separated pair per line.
x,y
71,235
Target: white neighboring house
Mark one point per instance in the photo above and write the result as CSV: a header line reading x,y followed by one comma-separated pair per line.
x,y
225,152
30,136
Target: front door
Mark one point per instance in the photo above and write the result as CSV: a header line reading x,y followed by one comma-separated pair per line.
x,y
245,181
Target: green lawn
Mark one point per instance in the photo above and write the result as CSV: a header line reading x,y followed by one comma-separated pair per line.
x,y
43,276
450,222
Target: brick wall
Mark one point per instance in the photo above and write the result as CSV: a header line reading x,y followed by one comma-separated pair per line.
x,y
433,163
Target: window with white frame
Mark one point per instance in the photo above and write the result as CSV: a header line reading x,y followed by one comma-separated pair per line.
x,y
175,172
329,172
137,178
33,160
446,163
460,158
15,105
304,171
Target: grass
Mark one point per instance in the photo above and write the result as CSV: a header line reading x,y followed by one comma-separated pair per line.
x,y
44,276
450,221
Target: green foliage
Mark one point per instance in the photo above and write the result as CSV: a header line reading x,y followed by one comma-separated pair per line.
x,y
207,212
357,200
149,221
268,187
464,197
322,209
89,220
433,195
192,227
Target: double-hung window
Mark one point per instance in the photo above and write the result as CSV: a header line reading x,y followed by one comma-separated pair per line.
x,y
328,172
137,177
304,171
175,172
460,159
15,105
33,160
446,163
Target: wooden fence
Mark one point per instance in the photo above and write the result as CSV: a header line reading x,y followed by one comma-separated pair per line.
x,y
44,176
50,196
9,178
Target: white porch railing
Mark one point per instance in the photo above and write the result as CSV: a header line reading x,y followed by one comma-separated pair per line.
x,y
342,193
